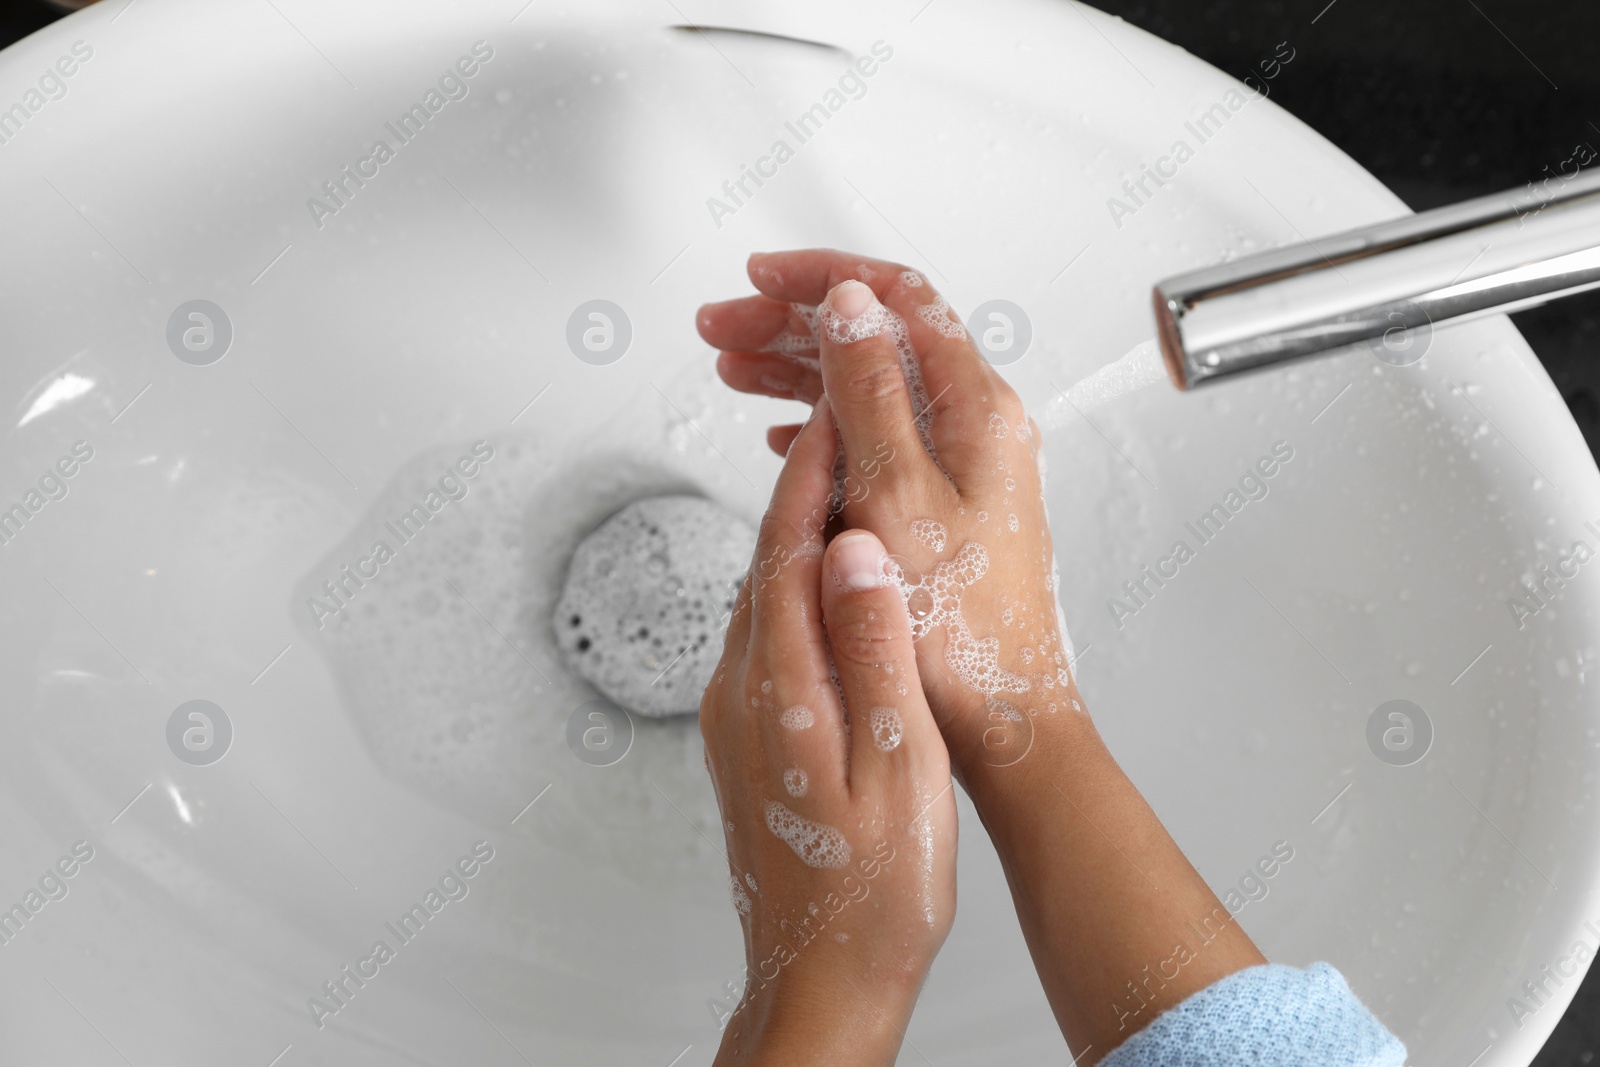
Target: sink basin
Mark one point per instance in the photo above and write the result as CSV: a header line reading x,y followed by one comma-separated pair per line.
x,y
258,343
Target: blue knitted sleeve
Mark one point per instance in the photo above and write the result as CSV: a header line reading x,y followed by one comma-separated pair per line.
x,y
1270,1014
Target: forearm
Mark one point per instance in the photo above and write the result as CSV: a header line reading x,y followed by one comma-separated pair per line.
x,y
840,1022
1104,895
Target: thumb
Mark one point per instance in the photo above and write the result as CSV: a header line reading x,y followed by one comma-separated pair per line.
x,y
869,635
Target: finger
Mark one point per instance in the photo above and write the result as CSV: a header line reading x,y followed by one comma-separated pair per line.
x,y
782,535
865,379
767,374
735,639
781,438
754,323
807,275
786,643
869,635
960,387
965,395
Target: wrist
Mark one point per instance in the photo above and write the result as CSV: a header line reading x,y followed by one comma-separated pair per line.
x,y
848,1022
1020,743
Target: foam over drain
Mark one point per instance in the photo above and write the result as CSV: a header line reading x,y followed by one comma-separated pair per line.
x,y
434,616
641,613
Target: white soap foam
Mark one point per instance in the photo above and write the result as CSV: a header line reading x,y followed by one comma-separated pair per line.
x,y
800,345
645,592
1003,709
817,844
911,279
886,728
798,717
446,664
998,426
929,532
741,899
796,781
797,347
942,318
935,600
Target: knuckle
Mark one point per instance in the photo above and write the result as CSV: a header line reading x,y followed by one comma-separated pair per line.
x,y
863,633
709,703
773,537
1008,404
875,379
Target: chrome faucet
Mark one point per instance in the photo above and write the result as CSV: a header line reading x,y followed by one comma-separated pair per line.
x,y
1387,285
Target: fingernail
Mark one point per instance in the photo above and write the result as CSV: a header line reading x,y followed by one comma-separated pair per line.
x,y
850,299
858,561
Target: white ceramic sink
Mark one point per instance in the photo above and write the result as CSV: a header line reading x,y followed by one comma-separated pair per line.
x,y
432,308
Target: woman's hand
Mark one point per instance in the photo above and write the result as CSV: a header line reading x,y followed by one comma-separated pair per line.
x,y
960,504
834,788
939,462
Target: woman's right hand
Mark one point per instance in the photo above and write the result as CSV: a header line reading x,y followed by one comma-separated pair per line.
x,y
965,521
1102,891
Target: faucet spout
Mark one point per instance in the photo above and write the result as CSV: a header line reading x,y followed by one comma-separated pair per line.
x,y
1387,285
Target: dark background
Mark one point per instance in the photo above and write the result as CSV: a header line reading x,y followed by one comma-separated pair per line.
x,y
1442,100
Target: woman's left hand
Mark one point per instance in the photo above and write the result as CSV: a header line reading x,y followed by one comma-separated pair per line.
x,y
835,794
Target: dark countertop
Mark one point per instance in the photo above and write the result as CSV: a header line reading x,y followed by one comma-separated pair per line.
x,y
1441,100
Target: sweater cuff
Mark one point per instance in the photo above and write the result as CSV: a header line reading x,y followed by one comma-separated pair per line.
x,y
1267,1014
